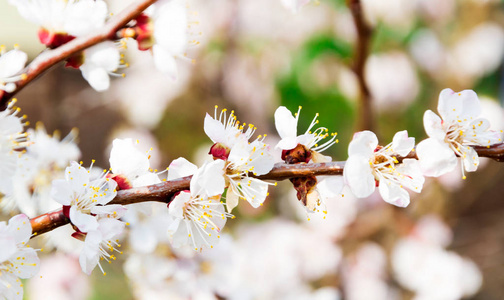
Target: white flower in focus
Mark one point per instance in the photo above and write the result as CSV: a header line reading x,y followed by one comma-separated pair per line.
x,y
165,32
286,125
17,259
197,217
11,139
244,158
369,164
131,165
232,145
82,197
294,5
11,64
61,20
98,243
308,150
100,61
452,135
225,131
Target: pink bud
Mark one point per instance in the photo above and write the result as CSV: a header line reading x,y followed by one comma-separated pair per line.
x,y
219,151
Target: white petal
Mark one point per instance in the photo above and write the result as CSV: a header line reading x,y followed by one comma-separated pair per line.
x,y
209,179
433,125
89,256
330,186
358,175
363,143
104,55
146,179
20,229
28,265
285,123
170,26
471,159
110,228
84,16
231,200
458,106
214,129
165,62
97,77
8,248
413,177
176,207
12,63
181,167
128,160
84,222
402,144
436,158
392,193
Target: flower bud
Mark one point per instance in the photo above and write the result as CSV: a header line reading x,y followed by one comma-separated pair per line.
x,y
219,151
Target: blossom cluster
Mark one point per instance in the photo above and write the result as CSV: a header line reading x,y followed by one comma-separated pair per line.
x,y
162,29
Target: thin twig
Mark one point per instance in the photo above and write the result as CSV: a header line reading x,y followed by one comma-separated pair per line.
x,y
163,192
49,58
365,120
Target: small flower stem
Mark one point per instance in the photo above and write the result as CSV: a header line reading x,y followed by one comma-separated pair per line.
x,y
49,58
365,118
163,192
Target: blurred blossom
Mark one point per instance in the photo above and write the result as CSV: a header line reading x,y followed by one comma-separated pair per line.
x,y
434,10
60,279
145,93
392,80
269,19
364,274
341,212
399,14
428,51
478,53
424,267
148,142
295,256
344,26
43,161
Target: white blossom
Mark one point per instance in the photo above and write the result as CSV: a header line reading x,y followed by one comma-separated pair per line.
x,y
198,217
452,135
83,196
368,164
11,64
128,161
12,139
100,62
17,259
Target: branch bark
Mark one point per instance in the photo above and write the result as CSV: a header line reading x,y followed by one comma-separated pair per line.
x,y
49,58
365,120
163,192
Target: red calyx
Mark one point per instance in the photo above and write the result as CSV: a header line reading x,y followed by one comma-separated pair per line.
x,y
66,211
53,39
123,183
219,151
299,154
81,236
303,186
144,30
75,61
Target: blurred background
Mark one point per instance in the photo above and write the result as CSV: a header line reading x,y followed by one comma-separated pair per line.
x,y
253,56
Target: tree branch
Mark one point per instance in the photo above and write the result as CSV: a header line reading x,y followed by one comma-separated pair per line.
x,y
49,58
163,192
365,119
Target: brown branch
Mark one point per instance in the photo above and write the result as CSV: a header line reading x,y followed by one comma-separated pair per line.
x,y
49,58
163,192
365,117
